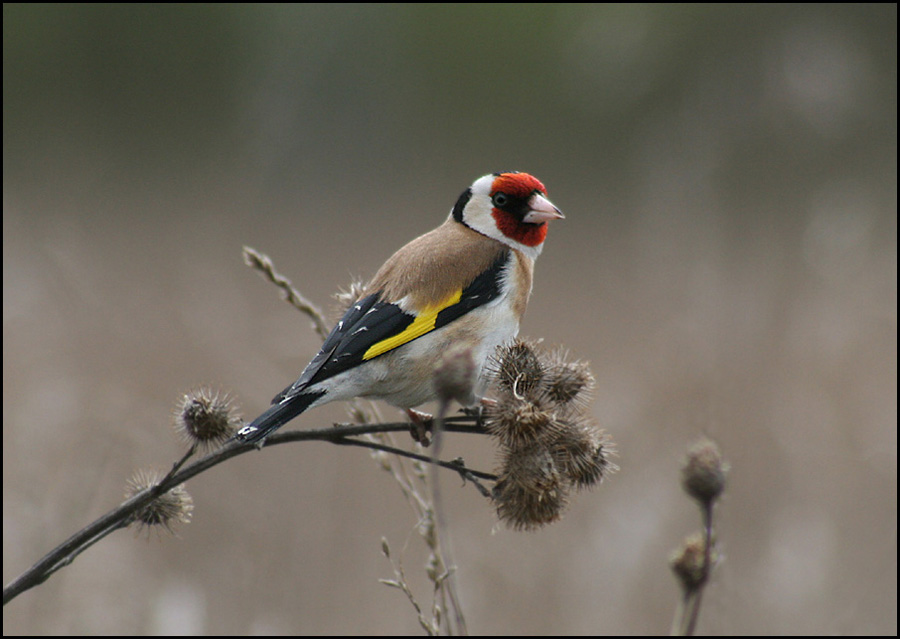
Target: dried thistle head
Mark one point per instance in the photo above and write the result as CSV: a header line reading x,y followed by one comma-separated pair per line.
x,y
567,382
206,418
549,444
517,369
704,471
525,370
455,376
530,491
582,452
522,414
517,423
689,561
173,506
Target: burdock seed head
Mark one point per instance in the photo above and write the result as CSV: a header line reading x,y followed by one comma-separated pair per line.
x,y
530,491
567,382
173,506
517,423
704,472
206,418
582,454
548,442
517,369
689,562
455,376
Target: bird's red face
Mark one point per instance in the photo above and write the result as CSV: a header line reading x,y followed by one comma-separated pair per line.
x,y
520,208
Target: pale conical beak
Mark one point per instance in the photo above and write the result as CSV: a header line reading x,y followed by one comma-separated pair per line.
x,y
542,210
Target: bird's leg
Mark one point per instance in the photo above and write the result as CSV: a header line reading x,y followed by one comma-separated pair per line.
x,y
420,426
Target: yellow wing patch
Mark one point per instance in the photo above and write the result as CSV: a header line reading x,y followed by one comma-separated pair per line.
x,y
423,323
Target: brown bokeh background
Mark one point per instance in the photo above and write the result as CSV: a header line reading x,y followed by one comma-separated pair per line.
x,y
728,265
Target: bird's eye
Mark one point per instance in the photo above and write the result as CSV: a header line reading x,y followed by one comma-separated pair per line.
x,y
500,200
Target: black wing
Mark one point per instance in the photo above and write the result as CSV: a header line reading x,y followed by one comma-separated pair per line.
x,y
372,327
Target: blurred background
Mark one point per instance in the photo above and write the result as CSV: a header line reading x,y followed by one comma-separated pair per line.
x,y
728,265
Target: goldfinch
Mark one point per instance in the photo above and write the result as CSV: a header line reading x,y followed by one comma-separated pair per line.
x,y
466,283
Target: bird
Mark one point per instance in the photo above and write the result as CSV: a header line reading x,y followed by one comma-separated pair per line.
x,y
464,284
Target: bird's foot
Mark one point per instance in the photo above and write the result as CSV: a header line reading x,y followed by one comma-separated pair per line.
x,y
420,426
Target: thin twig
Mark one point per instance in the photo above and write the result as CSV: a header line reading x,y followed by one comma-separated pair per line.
x,y
694,597
432,627
263,263
443,531
122,515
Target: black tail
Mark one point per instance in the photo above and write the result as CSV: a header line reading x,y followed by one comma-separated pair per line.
x,y
277,416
